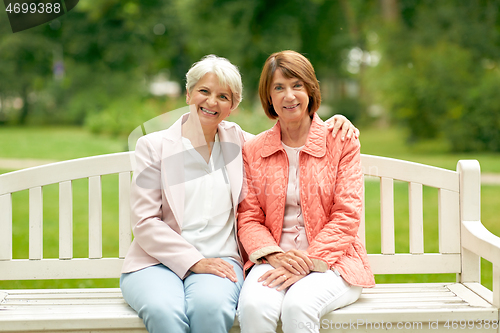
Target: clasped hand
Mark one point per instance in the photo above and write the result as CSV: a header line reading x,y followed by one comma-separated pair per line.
x,y
289,267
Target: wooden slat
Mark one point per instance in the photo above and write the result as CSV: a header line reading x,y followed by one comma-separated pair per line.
x,y
24,269
496,286
429,263
35,223
95,217
412,303
66,170
410,172
387,215
449,221
471,267
64,302
65,220
57,297
416,218
92,320
125,231
55,292
481,291
361,230
468,295
5,227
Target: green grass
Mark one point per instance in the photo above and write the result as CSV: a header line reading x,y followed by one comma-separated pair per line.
x,y
55,143
66,143
390,142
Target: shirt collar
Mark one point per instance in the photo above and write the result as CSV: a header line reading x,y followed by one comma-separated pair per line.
x,y
315,143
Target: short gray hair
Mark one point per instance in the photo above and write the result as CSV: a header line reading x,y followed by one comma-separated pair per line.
x,y
227,73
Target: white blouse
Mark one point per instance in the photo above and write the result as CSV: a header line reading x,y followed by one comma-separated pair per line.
x,y
208,210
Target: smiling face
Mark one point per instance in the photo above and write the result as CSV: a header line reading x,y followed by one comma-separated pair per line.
x,y
289,98
212,101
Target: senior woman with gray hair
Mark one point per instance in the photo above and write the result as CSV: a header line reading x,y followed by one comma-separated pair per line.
x,y
183,271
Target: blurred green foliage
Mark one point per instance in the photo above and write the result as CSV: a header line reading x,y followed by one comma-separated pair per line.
x,y
430,65
439,72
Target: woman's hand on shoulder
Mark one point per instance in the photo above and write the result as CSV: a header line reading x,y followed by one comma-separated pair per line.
x,y
339,122
215,266
279,277
295,261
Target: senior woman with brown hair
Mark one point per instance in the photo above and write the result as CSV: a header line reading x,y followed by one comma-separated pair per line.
x,y
300,218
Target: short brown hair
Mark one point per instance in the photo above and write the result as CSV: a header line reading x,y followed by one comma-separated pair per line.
x,y
292,65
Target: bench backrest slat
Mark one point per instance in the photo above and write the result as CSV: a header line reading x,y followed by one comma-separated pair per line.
x,y
66,220
416,218
387,215
6,226
95,217
35,223
449,214
124,230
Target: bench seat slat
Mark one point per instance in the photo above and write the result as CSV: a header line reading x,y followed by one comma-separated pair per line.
x,y
409,314
69,295
63,302
70,291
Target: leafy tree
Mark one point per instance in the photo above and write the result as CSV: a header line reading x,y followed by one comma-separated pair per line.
x,y
432,63
25,65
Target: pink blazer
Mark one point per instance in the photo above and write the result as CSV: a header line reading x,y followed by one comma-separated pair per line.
x,y
331,191
157,197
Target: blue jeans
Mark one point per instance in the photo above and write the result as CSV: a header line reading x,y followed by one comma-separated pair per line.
x,y
199,303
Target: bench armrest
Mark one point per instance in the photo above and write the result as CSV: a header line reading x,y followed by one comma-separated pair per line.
x,y
479,240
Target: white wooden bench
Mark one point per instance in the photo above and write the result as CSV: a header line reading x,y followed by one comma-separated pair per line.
x,y
411,307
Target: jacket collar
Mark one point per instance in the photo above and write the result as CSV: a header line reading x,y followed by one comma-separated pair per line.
x,y
174,172
226,133
315,143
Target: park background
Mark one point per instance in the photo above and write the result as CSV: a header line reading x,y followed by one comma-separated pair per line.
x,y
420,78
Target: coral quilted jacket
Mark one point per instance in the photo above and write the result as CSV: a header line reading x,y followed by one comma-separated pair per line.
x,y
331,190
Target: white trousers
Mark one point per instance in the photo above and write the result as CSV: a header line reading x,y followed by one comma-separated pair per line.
x,y
301,306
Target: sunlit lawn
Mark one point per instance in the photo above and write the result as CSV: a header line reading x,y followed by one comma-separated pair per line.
x,y
75,143
390,142
51,143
